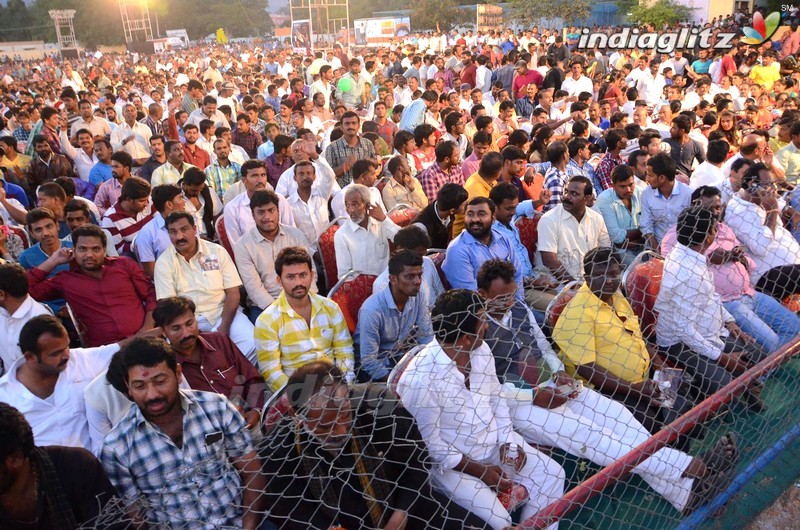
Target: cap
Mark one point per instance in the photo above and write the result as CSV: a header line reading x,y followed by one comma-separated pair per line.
x,y
520,64
465,86
228,85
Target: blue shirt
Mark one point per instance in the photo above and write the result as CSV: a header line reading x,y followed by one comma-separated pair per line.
x,y
617,217
660,213
465,255
512,233
265,149
384,334
35,256
15,192
413,115
153,239
100,173
701,67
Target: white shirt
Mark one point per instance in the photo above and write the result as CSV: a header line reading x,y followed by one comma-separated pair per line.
x,y
11,325
689,309
311,218
576,86
562,234
83,162
59,419
651,88
706,174
218,118
324,180
324,88
767,249
453,420
139,147
337,204
365,250
239,218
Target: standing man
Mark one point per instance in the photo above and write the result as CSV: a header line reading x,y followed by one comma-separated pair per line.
x,y
132,137
344,152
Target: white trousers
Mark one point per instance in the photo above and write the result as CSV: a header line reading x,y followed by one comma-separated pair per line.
x,y
242,334
541,476
602,430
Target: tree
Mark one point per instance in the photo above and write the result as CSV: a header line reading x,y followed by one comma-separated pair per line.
x,y
528,12
441,15
661,12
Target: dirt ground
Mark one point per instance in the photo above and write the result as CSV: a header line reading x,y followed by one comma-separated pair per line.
x,y
784,514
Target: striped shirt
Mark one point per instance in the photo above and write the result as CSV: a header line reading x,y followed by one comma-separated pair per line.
x,y
284,342
124,227
555,180
340,151
222,177
435,177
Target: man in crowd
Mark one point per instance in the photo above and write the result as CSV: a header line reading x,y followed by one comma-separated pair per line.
x,y
129,214
153,238
238,214
17,306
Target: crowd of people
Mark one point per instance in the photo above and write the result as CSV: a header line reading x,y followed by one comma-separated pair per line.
x,y
166,248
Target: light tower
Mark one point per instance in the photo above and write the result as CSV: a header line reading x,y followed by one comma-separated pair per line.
x,y
136,20
65,31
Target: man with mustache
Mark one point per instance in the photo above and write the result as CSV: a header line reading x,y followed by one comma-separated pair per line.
x,y
46,384
300,326
210,361
111,297
203,272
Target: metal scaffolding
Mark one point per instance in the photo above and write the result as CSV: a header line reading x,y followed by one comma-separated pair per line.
x,y
136,20
330,21
65,30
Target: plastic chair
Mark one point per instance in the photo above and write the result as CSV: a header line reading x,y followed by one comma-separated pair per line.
x,y
438,255
23,235
528,234
402,215
222,234
275,409
557,305
350,293
78,326
642,281
327,252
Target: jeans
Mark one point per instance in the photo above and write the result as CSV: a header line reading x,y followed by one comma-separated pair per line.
x,y
765,319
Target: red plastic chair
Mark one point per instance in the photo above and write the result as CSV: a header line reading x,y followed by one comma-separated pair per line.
x,y
222,234
23,235
275,409
438,255
642,281
350,293
327,252
402,215
529,234
556,307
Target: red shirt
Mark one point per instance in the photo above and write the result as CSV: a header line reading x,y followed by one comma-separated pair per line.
x,y
224,370
728,65
522,81
198,158
111,308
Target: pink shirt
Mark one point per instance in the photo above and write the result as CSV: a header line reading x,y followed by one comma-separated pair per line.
x,y
470,165
731,279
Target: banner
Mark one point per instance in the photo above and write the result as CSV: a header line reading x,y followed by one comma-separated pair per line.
x,y
381,30
301,37
489,17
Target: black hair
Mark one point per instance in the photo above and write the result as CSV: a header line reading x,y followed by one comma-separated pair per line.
x,y
262,198
135,188
122,158
603,256
493,269
694,225
705,192
35,328
455,314
621,173
717,151
174,217
556,151
292,256
663,166
17,433
149,352
13,280
491,164
444,149
411,237
192,177
308,380
168,309
503,191
402,258
163,194
89,230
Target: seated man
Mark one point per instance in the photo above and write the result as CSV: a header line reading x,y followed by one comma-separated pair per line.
x,y
238,215
111,298
437,218
479,242
257,249
366,173
55,411
43,228
309,206
753,215
451,389
210,361
693,327
77,213
152,455
362,243
757,314
74,487
539,290
300,326
621,208
414,238
335,426
570,230
129,214
394,319
153,239
662,200
205,273
601,342
16,308
589,425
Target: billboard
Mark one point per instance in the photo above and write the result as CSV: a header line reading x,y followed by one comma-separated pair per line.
x,y
381,30
301,37
489,17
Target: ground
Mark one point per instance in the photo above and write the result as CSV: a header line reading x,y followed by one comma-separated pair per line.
x,y
783,514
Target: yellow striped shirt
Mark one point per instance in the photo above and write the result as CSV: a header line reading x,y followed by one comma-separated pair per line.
x,y
284,342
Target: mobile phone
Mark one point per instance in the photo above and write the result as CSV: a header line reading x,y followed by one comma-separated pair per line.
x,y
5,230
